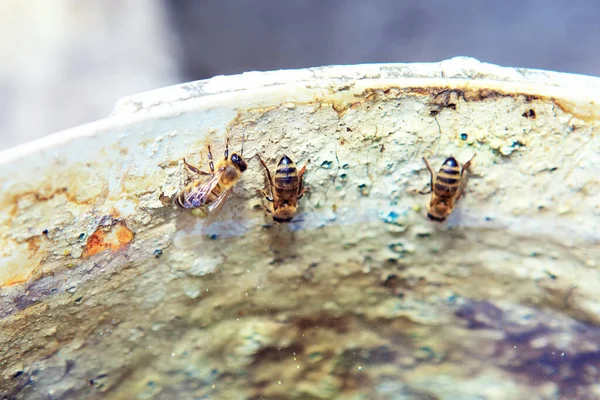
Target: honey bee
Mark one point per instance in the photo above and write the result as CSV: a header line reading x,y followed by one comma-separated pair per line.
x,y
211,190
446,187
286,189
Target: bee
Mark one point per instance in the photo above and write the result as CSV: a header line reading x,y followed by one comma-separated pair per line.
x,y
286,189
211,190
446,187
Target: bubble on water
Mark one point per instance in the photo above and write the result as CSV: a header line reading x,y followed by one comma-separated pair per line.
x,y
204,265
192,291
135,334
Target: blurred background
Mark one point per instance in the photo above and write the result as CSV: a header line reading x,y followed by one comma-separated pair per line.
x,y
66,62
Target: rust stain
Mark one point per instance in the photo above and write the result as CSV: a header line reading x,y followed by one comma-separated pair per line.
x,y
19,261
447,97
439,98
17,279
50,193
33,243
124,235
111,238
339,109
96,243
44,194
586,112
169,164
249,117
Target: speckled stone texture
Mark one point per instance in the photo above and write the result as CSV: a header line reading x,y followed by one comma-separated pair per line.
x,y
108,291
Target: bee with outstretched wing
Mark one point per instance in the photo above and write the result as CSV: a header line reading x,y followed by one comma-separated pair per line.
x,y
210,191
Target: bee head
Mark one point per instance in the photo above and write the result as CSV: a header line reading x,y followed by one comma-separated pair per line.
x,y
284,213
239,162
438,212
434,218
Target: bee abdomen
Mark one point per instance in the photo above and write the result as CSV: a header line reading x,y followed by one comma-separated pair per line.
x,y
189,198
445,179
450,162
286,175
285,160
286,170
443,190
448,178
179,200
443,187
285,180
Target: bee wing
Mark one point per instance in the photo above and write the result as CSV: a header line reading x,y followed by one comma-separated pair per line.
x,y
197,197
215,208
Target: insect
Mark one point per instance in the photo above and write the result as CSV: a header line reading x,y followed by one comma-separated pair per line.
x,y
286,189
446,187
211,190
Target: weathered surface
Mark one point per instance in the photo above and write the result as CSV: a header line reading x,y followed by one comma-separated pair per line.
x,y
108,291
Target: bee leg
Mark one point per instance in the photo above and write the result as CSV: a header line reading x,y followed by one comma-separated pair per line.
x,y
303,191
194,169
243,141
467,165
227,147
303,170
430,178
266,196
210,161
464,180
268,177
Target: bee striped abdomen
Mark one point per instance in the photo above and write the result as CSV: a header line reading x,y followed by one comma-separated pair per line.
x,y
447,179
179,200
286,176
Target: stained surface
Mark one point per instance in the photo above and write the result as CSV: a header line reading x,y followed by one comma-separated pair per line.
x,y
109,292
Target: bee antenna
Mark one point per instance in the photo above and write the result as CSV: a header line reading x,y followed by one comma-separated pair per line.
x,y
256,155
243,140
